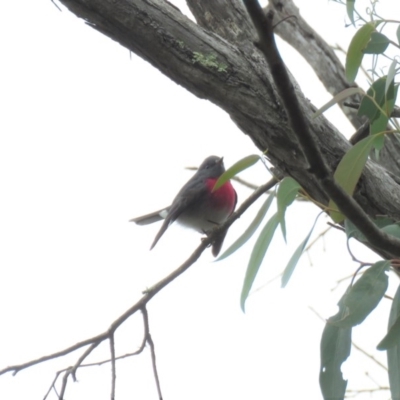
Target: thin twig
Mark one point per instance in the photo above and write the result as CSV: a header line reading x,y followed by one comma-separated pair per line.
x,y
320,235
353,257
16,368
317,314
53,385
341,280
264,285
355,392
135,353
369,356
59,9
98,363
82,358
148,295
127,355
244,182
152,351
113,369
64,383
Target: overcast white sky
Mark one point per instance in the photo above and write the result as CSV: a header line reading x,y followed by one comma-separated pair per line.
x,y
91,137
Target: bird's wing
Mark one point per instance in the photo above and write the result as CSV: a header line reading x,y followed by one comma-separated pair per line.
x,y
184,200
191,194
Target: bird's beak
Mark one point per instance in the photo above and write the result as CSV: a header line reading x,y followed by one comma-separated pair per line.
x,y
221,161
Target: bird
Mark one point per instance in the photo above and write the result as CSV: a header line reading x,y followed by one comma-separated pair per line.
x,y
196,205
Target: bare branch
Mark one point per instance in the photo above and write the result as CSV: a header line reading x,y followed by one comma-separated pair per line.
x,y
355,392
139,305
53,385
370,356
82,358
320,235
58,373
113,369
64,384
152,351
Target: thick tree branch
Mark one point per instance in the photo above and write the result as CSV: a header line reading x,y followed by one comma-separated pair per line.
x,y
330,70
347,205
233,75
319,54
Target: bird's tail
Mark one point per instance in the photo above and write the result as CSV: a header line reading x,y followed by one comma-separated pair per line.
x,y
150,218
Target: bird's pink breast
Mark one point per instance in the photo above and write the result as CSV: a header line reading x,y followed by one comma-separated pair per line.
x,y
224,197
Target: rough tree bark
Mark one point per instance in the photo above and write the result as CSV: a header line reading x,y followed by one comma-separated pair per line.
x,y
217,59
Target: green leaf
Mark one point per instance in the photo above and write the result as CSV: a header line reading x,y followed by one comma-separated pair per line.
x,y
257,256
355,52
379,125
349,170
350,9
378,43
368,107
398,34
335,349
392,338
248,233
358,302
381,96
393,229
352,230
393,347
239,166
287,273
344,94
287,192
391,74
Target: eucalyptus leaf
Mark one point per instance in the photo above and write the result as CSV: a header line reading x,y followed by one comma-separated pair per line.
x,y
288,271
353,231
398,34
350,9
257,256
393,229
391,74
349,170
384,95
355,52
335,349
379,124
360,299
377,44
344,94
239,166
391,342
287,192
248,233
